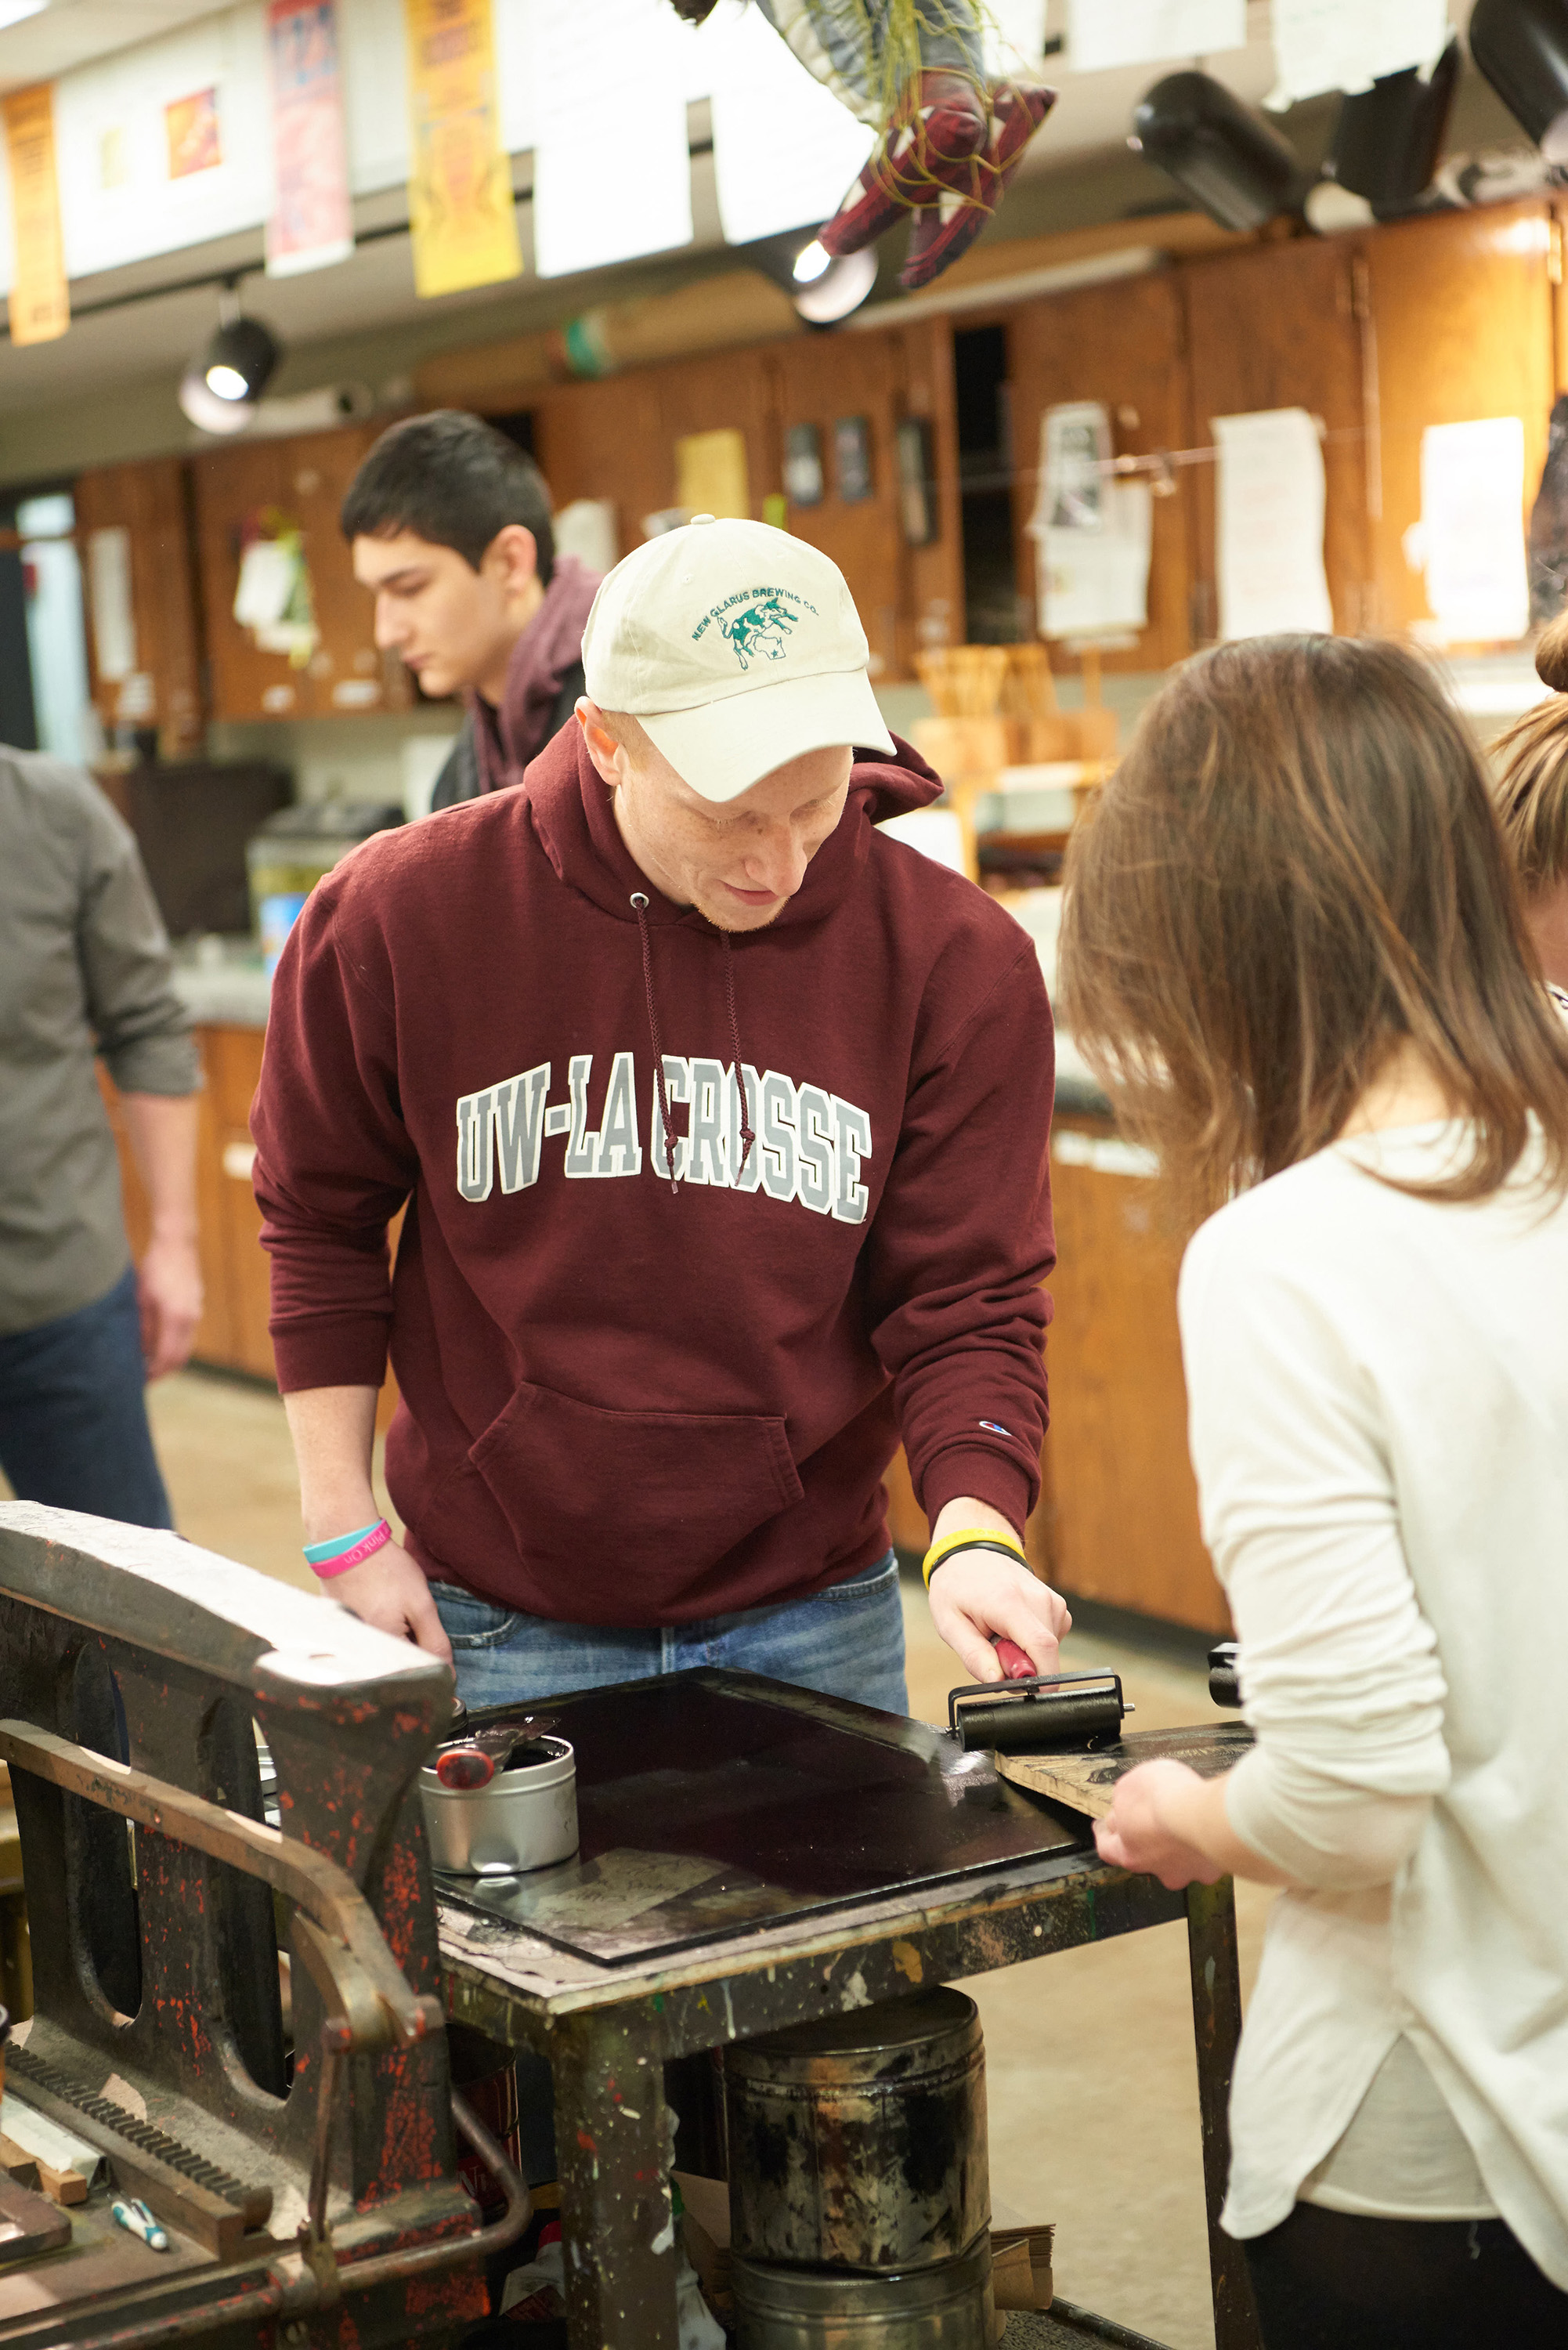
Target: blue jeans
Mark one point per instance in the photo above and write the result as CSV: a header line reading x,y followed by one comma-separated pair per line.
x,y
73,1413
846,1641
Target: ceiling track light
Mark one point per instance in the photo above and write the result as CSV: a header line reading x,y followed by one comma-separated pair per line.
x,y
1233,164
824,288
1388,141
221,386
1520,46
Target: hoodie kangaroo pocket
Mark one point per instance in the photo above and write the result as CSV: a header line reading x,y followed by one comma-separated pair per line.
x,y
682,1486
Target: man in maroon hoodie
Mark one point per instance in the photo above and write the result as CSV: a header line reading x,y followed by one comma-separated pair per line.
x,y
449,525
722,1119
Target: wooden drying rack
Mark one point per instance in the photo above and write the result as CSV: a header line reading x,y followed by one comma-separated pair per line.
x,y
995,708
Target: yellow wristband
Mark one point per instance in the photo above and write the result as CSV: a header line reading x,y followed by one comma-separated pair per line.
x,y
970,1538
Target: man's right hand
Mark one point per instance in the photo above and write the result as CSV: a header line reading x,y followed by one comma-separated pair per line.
x,y
388,1590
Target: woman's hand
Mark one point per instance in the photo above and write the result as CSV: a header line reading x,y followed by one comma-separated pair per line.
x,y
979,1594
1142,1830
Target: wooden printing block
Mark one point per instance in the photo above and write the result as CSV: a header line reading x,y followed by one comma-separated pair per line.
x,y
1087,1782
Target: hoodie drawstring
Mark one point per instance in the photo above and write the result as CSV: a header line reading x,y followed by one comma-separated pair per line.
x,y
639,907
747,1136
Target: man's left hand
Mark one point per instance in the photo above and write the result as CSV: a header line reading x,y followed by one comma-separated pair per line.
x,y
169,1292
1138,1833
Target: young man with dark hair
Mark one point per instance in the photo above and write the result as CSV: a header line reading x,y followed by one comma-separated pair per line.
x,y
722,1120
449,525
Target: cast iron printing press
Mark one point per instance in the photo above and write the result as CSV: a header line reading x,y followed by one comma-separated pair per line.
x,y
305,2183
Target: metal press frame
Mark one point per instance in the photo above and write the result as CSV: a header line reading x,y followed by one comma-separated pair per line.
x,y
608,2034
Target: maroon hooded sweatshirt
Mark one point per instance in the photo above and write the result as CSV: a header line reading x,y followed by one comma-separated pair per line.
x,y
633,1395
547,658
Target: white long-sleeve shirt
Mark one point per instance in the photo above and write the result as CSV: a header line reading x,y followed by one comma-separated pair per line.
x,y
1379,1391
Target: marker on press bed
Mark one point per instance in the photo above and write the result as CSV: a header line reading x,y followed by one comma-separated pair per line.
x,y
134,2215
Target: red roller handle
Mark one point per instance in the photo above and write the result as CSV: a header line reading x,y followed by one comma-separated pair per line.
x,y
464,1767
1015,1665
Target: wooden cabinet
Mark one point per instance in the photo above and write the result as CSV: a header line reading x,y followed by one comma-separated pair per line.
x,y
1289,326
1122,344
232,1333
233,1059
821,382
1119,1518
606,441
151,502
262,488
616,440
1462,308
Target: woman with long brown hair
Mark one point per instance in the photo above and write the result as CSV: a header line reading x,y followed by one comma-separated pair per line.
x,y
1293,948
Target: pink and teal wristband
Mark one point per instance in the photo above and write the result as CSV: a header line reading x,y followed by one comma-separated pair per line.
x,y
330,1558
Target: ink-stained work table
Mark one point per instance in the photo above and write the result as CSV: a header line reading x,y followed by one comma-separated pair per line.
x,y
610,2021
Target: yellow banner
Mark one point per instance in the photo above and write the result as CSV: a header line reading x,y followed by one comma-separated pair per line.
x,y
40,298
460,210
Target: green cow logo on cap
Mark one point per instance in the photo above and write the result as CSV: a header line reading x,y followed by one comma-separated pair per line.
x,y
759,628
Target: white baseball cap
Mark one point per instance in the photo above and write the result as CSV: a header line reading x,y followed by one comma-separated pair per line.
x,y
737,647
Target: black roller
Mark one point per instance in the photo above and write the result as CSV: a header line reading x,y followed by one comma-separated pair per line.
x,y
1064,1713
1224,1685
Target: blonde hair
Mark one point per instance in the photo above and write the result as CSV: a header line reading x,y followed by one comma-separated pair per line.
x,y
1532,759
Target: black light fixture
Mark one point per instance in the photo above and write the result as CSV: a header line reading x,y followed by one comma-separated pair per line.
x,y
823,286
220,388
1522,48
1386,146
1233,164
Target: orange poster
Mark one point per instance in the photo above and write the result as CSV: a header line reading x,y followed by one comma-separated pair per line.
x,y
40,297
190,127
461,206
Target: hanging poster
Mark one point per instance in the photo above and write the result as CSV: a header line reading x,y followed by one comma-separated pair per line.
x,y
785,148
1270,500
1147,32
312,222
190,129
40,303
612,170
1344,45
461,208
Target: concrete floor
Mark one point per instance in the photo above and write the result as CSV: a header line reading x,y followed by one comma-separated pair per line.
x,y
1090,2079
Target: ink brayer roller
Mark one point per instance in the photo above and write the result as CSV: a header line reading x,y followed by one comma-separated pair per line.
x,y
1036,1713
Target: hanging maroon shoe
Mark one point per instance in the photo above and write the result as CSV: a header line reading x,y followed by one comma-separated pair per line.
x,y
972,191
941,131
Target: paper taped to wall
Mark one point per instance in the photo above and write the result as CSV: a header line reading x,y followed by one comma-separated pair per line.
x,y
1143,32
1469,541
1345,44
110,603
1270,501
1092,532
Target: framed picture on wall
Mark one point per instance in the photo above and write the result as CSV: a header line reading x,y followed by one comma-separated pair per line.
x,y
852,460
916,482
803,475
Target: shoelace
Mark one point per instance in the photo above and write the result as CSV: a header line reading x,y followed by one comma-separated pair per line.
x,y
639,907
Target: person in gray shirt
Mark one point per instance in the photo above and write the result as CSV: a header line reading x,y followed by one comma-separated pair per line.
x,y
84,971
